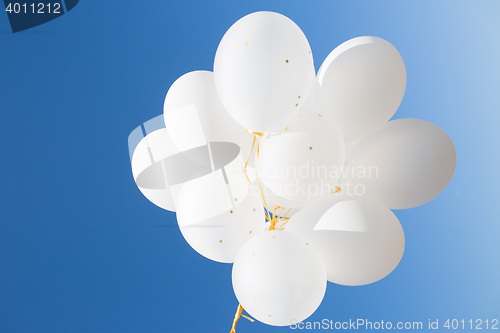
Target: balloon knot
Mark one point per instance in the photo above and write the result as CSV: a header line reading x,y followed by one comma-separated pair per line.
x,y
276,218
256,133
338,189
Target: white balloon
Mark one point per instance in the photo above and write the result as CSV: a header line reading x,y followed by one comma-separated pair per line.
x,y
350,147
361,84
206,179
194,114
209,180
360,240
301,160
343,182
279,278
148,168
309,103
221,237
217,210
263,70
404,164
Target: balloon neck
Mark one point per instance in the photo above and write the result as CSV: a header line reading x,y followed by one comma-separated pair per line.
x,y
256,133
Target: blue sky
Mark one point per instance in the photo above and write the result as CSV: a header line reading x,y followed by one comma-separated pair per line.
x,y
81,250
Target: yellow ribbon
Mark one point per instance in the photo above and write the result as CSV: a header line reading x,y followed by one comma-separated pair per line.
x,y
279,218
239,311
258,180
260,135
273,220
246,163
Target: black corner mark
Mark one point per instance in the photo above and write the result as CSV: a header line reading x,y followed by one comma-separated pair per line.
x,y
28,14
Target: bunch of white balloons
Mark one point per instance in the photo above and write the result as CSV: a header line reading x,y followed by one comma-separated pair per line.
x,y
289,175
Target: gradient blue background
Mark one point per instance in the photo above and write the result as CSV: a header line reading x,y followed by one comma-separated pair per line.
x,y
81,250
